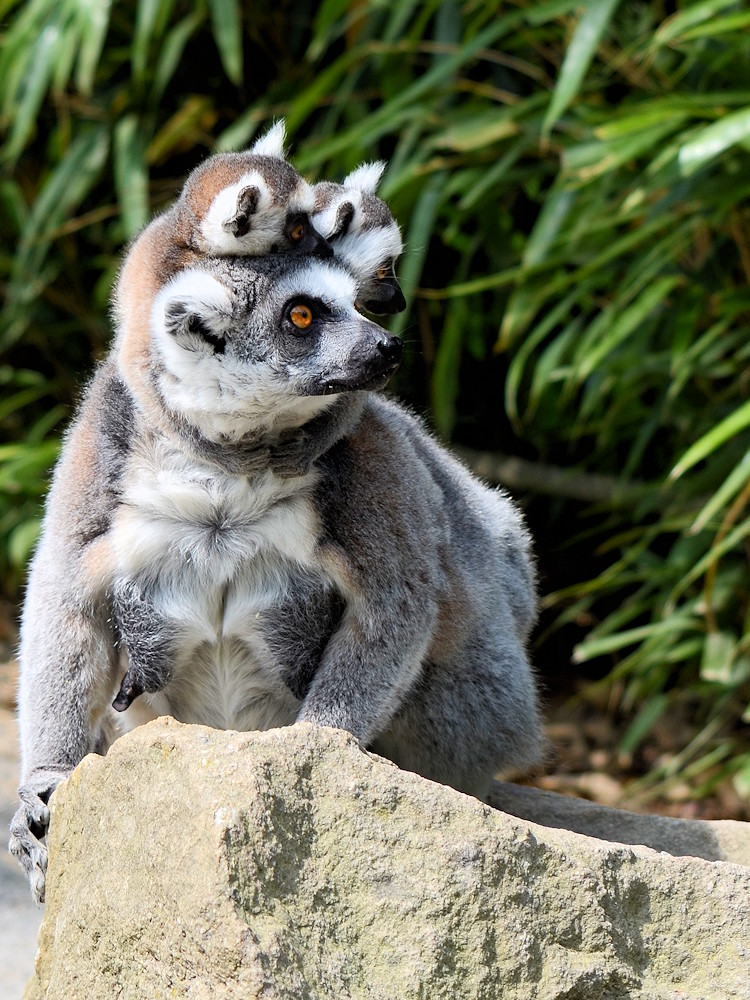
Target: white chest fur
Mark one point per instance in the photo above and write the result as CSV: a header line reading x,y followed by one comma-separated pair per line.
x,y
215,551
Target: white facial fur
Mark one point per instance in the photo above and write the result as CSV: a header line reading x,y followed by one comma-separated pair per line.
x,y
320,280
224,398
362,250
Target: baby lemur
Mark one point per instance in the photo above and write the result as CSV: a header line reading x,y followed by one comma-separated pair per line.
x,y
364,234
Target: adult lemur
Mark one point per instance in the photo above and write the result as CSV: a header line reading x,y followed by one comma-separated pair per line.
x,y
383,591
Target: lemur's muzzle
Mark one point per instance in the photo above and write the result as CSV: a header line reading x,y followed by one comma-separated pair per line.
x,y
375,356
302,237
385,298
317,245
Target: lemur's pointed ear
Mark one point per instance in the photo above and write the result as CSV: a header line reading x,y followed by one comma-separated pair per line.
x,y
192,329
247,205
194,311
344,216
367,177
272,142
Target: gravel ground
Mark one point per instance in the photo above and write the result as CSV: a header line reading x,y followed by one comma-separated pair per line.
x,y
19,917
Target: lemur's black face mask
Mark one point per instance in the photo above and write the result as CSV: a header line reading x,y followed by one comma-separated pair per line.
x,y
302,237
383,293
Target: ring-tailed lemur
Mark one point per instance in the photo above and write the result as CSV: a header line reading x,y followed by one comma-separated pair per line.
x,y
240,204
364,235
252,204
385,592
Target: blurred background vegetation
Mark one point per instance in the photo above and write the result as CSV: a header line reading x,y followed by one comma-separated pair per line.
x,y
572,179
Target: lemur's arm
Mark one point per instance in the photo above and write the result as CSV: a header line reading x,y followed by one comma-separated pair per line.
x,y
299,448
67,656
387,571
67,671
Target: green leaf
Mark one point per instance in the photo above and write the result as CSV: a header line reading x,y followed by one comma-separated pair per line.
x,y
147,12
226,19
477,132
717,26
741,780
13,205
595,646
93,18
20,399
540,13
171,52
520,360
417,239
713,140
554,213
735,481
693,14
710,559
718,655
131,174
28,468
644,722
38,74
22,540
496,174
182,129
64,189
622,323
403,107
590,160
549,367
726,429
591,26
445,375
331,20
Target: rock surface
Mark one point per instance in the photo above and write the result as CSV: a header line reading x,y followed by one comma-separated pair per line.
x,y
290,864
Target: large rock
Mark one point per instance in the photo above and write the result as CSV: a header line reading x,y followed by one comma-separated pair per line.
x,y
291,864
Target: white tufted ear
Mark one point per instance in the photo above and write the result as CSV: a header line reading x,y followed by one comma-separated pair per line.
x,y
192,311
366,177
272,142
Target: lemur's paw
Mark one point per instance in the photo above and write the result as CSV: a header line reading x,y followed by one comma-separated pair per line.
x,y
29,827
130,689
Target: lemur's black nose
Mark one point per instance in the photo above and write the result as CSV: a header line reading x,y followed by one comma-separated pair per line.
x,y
390,349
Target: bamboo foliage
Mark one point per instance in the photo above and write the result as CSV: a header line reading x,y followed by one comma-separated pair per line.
x,y
573,181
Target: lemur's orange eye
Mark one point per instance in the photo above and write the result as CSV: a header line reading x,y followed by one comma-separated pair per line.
x,y
301,316
382,272
298,232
